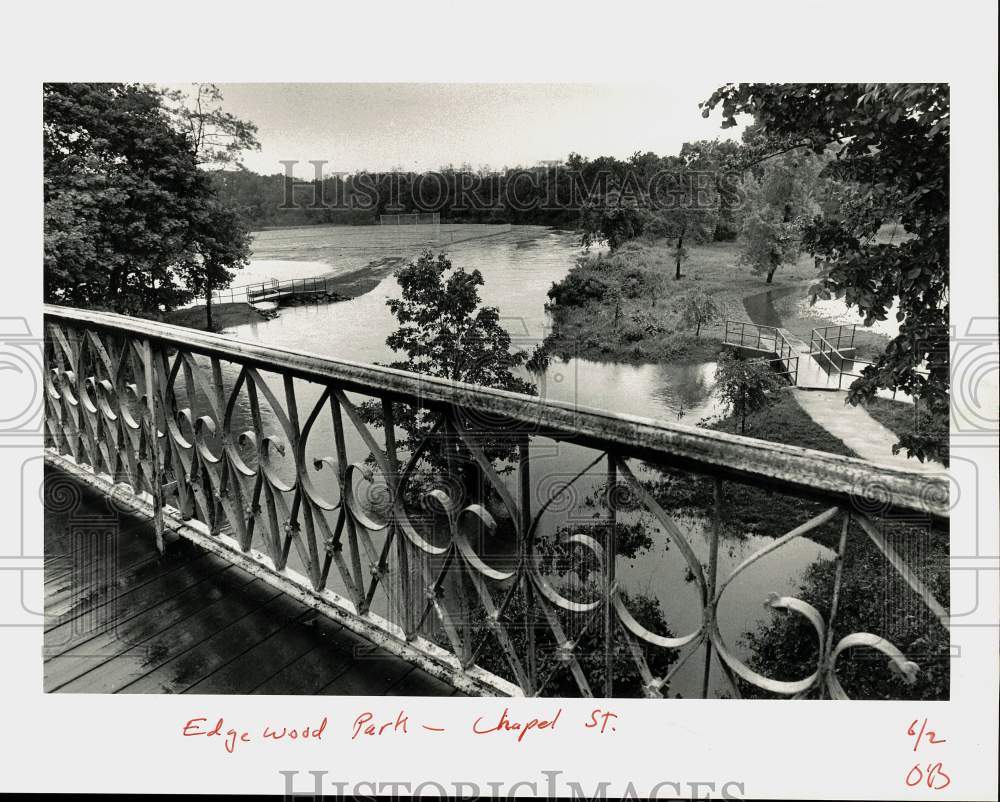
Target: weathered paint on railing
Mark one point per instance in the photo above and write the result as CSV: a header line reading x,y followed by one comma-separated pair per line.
x,y
115,409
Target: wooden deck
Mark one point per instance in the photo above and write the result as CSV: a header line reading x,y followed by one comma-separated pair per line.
x,y
121,618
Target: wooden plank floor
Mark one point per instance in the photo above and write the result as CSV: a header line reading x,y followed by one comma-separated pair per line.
x,y
121,618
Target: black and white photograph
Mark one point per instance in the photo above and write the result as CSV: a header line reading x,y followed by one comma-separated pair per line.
x,y
438,410
659,425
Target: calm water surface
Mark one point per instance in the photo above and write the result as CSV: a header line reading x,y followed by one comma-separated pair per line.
x,y
518,269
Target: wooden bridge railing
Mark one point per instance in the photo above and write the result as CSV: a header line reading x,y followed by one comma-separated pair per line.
x,y
227,442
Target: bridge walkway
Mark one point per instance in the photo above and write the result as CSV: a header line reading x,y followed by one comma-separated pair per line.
x,y
810,374
816,371
121,618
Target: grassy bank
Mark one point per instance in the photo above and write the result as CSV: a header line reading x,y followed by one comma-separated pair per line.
x,y
904,419
625,306
224,316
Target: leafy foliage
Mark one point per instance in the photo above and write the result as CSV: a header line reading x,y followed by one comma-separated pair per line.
x,y
779,202
745,386
697,308
577,290
611,220
131,222
892,145
445,331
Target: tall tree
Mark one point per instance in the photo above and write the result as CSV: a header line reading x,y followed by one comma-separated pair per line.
x,y
219,140
445,331
714,158
683,202
781,198
129,216
223,248
892,149
218,137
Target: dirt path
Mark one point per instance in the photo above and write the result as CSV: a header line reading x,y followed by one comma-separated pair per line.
x,y
858,430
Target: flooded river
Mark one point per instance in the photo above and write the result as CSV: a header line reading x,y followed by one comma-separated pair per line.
x,y
518,269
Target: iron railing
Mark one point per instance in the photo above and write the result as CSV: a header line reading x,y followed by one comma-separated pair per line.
x,y
241,293
840,337
828,344
827,354
293,286
765,338
217,438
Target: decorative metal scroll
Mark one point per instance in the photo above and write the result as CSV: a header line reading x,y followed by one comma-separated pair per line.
x,y
227,444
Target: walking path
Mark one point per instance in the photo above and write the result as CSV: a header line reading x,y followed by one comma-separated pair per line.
x,y
818,392
858,430
810,373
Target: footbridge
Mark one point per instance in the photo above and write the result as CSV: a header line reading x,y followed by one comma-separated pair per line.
x,y
225,516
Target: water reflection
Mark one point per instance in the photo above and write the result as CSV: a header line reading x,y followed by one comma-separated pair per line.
x,y
519,269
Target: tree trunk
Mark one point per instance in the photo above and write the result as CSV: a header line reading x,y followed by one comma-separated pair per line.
x,y
697,330
770,274
208,307
116,289
680,244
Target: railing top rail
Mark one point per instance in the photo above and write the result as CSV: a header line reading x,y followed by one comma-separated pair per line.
x,y
823,339
752,324
802,471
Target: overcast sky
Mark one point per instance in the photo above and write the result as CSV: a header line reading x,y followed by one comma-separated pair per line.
x,y
425,126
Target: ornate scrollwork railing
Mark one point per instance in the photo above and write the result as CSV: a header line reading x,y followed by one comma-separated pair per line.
x,y
223,439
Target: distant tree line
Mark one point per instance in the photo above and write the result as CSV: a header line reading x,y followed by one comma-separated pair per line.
x,y
146,206
557,195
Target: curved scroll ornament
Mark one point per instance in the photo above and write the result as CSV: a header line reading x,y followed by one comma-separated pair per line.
x,y
692,640
149,412
495,588
898,662
825,673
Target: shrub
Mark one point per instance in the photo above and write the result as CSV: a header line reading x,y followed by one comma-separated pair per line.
x,y
577,290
